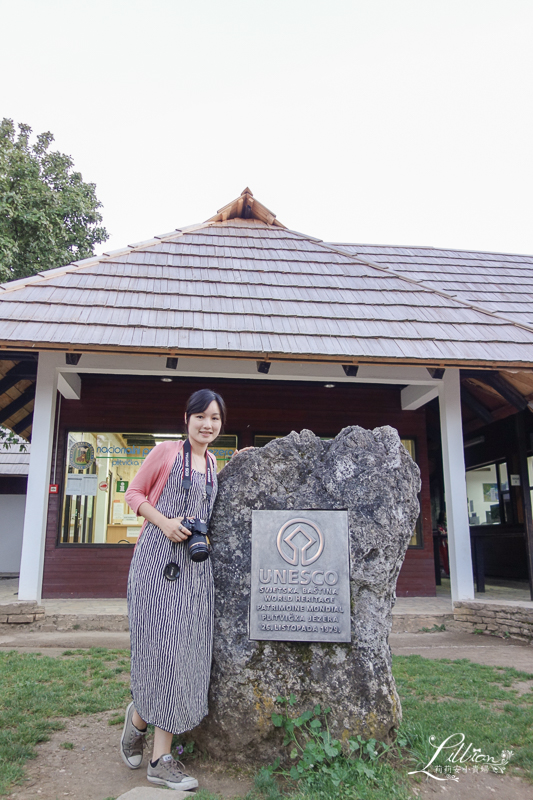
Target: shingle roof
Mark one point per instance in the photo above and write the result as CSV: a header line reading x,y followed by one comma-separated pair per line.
x,y
249,286
13,462
500,282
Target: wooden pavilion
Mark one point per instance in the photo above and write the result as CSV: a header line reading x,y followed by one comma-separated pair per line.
x,y
295,333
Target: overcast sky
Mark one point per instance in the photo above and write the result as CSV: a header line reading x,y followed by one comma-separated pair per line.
x,y
379,121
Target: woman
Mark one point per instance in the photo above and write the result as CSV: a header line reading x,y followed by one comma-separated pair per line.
x,y
170,596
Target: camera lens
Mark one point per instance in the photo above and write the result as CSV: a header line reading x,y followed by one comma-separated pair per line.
x,y
198,549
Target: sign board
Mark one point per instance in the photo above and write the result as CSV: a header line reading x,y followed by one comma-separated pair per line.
x,y
81,455
122,486
300,582
82,485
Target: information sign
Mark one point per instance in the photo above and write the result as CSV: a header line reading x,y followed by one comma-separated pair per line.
x,y
82,485
300,582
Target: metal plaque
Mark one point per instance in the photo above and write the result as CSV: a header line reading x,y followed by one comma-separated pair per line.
x,y
300,582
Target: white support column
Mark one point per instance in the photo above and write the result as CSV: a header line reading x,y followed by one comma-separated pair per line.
x,y
33,541
460,556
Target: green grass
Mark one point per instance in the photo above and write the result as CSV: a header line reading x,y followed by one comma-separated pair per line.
x,y
36,691
438,698
444,697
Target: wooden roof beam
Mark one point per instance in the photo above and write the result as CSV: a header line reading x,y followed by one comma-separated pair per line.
x,y
20,372
17,404
24,423
16,355
474,405
500,385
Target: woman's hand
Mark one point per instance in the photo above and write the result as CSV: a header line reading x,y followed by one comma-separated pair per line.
x,y
236,452
172,528
175,530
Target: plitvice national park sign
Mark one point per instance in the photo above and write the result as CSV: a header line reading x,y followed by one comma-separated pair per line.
x,y
300,582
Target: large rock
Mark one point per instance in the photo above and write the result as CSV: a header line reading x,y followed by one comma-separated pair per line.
x,y
369,473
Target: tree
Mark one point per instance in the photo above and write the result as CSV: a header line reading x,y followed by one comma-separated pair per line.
x,y
9,439
48,214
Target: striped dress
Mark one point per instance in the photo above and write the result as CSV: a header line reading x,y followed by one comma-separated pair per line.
x,y
171,623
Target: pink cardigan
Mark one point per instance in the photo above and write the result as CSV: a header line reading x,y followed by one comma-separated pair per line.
x,y
150,480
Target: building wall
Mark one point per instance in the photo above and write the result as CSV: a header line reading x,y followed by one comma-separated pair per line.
x,y
12,503
254,408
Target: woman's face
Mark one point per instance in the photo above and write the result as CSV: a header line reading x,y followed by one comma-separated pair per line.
x,y
205,426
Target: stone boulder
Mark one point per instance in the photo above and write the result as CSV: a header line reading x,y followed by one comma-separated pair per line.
x,y
369,473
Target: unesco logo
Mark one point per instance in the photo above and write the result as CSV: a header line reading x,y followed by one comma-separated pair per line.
x,y
300,541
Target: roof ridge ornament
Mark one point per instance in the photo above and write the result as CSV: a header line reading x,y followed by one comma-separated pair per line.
x,y
246,207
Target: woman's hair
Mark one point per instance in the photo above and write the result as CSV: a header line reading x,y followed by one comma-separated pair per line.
x,y
200,400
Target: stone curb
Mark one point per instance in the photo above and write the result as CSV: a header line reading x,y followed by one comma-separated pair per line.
x,y
149,793
21,613
37,620
412,623
514,622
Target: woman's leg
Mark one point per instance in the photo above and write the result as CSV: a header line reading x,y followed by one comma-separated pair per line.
x,y
163,769
138,721
162,743
162,739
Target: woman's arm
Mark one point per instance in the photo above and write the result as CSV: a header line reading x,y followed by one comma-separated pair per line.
x,y
150,480
172,528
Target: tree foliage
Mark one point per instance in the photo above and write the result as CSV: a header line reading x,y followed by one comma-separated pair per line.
x,y
48,214
9,439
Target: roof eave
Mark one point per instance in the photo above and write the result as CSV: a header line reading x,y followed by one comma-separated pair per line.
x,y
264,356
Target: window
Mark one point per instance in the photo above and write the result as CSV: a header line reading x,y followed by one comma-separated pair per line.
x,y
261,441
99,468
489,496
416,539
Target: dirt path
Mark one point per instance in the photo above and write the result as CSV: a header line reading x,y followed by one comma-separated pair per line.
x,y
489,650
94,770
477,787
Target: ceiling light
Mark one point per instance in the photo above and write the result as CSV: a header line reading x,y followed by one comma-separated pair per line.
x,y
329,386
166,380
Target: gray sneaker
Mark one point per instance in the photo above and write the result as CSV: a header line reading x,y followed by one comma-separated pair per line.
x,y
168,773
132,741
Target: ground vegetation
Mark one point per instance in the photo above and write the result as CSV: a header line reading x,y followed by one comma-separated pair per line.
x,y
492,706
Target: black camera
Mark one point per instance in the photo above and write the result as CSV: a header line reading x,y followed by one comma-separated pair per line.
x,y
198,543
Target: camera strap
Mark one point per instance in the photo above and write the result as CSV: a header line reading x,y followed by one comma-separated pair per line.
x,y
186,471
172,570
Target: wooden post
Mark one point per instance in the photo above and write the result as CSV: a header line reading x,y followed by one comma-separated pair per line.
x,y
520,427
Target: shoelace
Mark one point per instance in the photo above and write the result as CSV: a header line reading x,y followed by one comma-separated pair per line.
x,y
136,737
175,768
